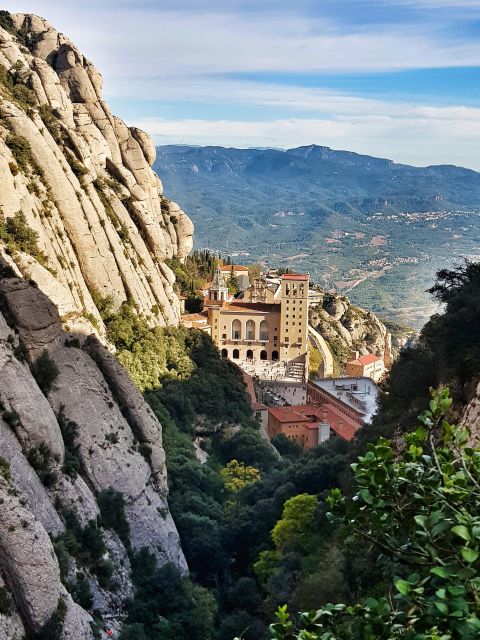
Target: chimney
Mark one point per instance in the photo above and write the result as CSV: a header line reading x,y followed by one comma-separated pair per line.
x,y
355,355
323,432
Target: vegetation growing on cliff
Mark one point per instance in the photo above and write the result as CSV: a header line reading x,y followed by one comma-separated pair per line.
x,y
269,542
18,236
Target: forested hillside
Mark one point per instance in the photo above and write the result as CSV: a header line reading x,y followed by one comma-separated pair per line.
x,y
368,227
256,528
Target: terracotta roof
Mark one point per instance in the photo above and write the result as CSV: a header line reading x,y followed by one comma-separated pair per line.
x,y
296,413
295,276
313,415
364,360
260,307
194,316
234,267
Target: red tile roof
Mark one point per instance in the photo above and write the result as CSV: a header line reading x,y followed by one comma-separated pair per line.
x,y
295,276
364,360
313,415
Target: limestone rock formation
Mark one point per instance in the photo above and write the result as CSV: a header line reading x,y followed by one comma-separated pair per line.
x,y
79,403
471,417
348,328
84,183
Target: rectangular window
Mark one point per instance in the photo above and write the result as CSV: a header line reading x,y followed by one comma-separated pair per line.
x,y
236,335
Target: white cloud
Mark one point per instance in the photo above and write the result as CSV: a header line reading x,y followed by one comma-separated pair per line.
x,y
412,135
151,50
141,41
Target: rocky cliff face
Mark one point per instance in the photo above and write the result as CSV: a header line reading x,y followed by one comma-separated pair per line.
x,y
72,428
83,181
82,216
471,417
348,328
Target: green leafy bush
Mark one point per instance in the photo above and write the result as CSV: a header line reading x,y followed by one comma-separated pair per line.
x,y
52,629
21,151
112,509
166,605
45,371
6,22
419,514
5,602
72,462
41,459
18,236
86,545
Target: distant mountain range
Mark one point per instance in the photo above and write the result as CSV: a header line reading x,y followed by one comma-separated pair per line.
x,y
363,225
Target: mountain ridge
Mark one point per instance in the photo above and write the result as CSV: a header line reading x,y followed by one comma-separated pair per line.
x,y
360,225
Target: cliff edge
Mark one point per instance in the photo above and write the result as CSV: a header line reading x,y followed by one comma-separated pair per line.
x,y
79,178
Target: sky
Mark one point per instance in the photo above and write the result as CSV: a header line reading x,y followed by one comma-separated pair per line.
x,y
390,78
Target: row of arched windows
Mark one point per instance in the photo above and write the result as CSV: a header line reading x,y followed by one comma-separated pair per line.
x,y
250,332
249,355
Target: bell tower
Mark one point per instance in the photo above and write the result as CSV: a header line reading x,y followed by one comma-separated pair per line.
x,y
218,292
294,318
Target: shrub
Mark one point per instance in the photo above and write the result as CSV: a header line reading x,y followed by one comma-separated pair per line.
x,y
52,629
25,96
86,545
6,22
45,371
72,463
133,632
41,459
77,167
5,469
112,508
5,602
81,592
51,122
21,151
18,236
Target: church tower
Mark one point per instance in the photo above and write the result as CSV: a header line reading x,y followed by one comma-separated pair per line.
x,y
218,292
294,318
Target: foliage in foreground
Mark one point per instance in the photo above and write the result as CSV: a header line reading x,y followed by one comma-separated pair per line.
x,y
419,514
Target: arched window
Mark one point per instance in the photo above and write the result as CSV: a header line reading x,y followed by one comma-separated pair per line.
x,y
250,330
264,331
235,354
236,330
249,354
263,355
224,353
274,355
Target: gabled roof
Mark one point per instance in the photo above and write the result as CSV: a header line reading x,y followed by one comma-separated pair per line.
x,y
364,360
313,415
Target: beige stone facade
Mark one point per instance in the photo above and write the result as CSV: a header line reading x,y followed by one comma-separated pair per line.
x,y
253,330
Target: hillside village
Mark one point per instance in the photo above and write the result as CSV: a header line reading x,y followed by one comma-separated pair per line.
x,y
264,325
